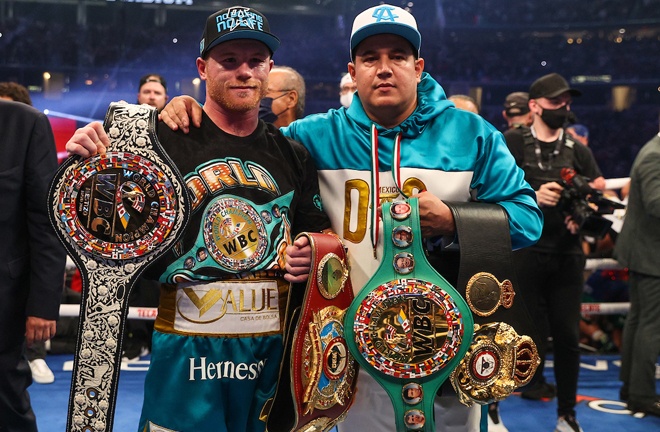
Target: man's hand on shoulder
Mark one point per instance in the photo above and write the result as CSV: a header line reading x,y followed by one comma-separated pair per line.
x,y
178,113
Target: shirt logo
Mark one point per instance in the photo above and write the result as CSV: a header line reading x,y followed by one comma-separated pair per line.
x,y
224,308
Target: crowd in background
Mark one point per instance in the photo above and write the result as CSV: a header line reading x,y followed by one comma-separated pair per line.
x,y
498,45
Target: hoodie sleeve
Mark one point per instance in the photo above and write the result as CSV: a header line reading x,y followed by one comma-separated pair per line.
x,y
498,179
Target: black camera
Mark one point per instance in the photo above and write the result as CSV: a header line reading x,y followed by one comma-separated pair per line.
x,y
585,205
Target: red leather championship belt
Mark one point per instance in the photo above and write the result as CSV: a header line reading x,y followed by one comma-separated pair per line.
x,y
115,214
317,377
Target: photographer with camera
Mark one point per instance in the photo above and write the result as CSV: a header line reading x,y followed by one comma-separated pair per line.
x,y
550,273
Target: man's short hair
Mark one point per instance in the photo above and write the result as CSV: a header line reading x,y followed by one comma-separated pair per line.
x,y
295,81
15,92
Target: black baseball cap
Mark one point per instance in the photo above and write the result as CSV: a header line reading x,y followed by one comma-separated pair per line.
x,y
516,103
549,86
153,78
237,22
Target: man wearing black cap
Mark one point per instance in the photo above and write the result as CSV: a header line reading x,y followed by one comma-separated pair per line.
x,y
152,91
550,273
516,110
217,344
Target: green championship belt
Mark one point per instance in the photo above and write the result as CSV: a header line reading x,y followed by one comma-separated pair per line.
x,y
408,327
115,214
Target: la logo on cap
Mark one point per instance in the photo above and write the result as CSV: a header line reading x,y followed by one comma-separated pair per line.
x,y
384,13
385,19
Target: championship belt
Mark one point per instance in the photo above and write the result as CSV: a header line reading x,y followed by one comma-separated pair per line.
x,y
408,327
317,375
115,214
499,360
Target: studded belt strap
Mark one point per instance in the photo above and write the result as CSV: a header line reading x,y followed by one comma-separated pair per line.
x,y
115,214
408,327
317,376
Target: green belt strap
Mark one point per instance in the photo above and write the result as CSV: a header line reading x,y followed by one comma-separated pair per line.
x,y
408,327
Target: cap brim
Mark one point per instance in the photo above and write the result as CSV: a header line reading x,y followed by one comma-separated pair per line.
x,y
572,92
267,39
405,31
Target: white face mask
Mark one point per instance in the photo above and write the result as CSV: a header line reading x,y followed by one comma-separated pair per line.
x,y
345,99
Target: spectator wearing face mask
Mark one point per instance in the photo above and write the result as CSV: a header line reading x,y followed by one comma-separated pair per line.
x,y
550,273
285,98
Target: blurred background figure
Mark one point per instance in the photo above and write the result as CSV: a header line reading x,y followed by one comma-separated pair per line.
x,y
137,337
36,352
516,110
31,257
465,103
152,91
580,132
551,272
637,248
346,89
15,92
285,98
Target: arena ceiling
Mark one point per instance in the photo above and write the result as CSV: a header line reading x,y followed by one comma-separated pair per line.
x,y
294,7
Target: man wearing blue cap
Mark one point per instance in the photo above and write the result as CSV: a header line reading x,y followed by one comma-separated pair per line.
x,y
217,344
445,154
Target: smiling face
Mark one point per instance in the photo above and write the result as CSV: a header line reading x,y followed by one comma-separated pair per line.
x,y
236,74
387,74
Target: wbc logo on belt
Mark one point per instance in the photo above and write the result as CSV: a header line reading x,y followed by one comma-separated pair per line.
x,y
235,234
117,206
408,328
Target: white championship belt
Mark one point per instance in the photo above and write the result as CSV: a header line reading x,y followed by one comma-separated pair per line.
x,y
115,214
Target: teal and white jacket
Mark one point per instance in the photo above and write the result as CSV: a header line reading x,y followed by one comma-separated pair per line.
x,y
454,154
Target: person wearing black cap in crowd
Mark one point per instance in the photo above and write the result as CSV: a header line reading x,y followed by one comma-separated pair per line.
x,y
516,110
550,273
217,344
152,91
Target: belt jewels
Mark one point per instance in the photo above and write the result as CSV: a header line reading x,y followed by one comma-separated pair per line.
x,y
115,214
